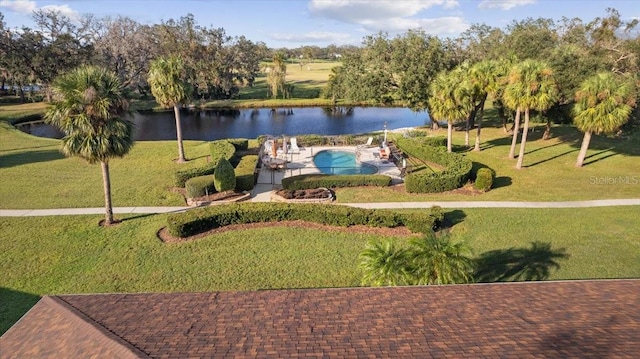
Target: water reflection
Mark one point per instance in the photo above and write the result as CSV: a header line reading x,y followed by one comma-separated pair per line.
x,y
213,124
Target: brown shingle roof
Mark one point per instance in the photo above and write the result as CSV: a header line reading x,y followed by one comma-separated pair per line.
x,y
519,320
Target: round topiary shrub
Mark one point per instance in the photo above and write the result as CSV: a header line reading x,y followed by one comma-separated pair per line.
x,y
484,179
224,177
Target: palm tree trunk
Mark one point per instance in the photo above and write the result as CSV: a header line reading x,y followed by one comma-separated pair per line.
x,y
106,182
583,149
547,130
480,117
176,111
523,143
449,135
514,140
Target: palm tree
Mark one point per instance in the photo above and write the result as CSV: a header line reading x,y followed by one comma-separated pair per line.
x,y
485,77
530,86
88,106
603,103
169,86
383,264
437,260
449,100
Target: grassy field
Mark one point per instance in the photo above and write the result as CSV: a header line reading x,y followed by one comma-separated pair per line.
x,y
549,173
56,255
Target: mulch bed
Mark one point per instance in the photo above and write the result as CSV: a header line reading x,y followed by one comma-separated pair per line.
x,y
163,234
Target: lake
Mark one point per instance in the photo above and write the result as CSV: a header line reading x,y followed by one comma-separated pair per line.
x,y
213,124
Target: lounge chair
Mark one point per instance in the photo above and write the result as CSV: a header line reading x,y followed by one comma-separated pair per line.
x,y
384,153
368,144
294,145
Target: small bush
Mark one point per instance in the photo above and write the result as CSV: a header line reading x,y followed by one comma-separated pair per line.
x,y
200,220
245,173
484,179
180,177
333,181
224,177
221,149
199,186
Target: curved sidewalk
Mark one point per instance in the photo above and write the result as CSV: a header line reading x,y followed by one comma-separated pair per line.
x,y
382,205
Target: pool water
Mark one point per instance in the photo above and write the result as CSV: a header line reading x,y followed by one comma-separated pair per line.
x,y
341,163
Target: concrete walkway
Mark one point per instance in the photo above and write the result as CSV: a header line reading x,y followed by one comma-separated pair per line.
x,y
382,205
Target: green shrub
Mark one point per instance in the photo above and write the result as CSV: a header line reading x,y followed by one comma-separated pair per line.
x,y
240,144
200,220
310,181
455,174
199,186
245,173
180,177
224,177
484,179
221,149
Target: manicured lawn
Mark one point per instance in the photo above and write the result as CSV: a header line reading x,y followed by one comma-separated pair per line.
x,y
71,254
549,173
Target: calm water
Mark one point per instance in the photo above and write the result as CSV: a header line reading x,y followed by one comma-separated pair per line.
x,y
341,163
210,125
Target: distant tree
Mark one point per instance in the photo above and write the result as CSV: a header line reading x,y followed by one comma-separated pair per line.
x,y
449,100
530,86
603,104
277,76
89,104
170,87
485,78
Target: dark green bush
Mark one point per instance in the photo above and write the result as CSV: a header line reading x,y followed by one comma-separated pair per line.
x,y
245,173
240,144
200,220
455,174
484,179
180,177
224,177
332,181
199,186
221,149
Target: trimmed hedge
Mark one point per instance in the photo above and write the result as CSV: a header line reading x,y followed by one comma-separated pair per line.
x,y
224,177
457,168
310,181
221,149
181,177
240,144
245,173
199,186
484,179
200,220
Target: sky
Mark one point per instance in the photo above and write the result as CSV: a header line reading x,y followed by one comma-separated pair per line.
x,y
296,23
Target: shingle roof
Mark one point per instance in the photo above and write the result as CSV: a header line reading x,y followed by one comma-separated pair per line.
x,y
534,319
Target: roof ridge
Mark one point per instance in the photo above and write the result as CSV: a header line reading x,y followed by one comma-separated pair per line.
x,y
104,335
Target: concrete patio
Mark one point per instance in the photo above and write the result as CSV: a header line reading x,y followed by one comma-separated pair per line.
x,y
301,162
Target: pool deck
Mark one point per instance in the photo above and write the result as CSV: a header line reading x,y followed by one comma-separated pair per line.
x,y
302,163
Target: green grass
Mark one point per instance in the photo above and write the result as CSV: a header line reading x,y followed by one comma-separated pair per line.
x,y
549,173
56,255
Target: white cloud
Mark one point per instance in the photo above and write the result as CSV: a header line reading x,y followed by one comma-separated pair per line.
x,y
314,36
19,6
389,15
504,4
356,11
27,7
64,10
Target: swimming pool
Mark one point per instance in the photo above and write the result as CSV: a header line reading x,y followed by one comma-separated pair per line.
x,y
341,163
